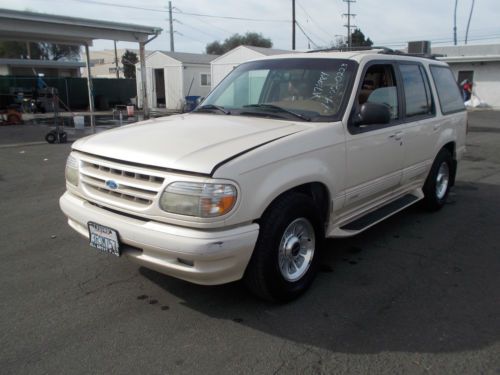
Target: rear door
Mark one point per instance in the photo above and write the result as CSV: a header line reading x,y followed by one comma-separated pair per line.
x,y
421,124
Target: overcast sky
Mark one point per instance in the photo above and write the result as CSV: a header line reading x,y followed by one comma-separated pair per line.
x,y
387,22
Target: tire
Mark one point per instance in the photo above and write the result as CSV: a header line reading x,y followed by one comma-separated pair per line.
x,y
51,137
286,255
438,183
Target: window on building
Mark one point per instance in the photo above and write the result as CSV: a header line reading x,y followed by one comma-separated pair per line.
x,y
205,80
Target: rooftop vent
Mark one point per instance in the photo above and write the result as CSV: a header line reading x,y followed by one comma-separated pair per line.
x,y
422,47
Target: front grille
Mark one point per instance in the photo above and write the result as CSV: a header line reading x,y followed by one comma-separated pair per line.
x,y
134,189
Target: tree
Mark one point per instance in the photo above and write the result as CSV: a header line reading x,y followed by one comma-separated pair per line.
x,y
235,40
358,39
129,59
40,51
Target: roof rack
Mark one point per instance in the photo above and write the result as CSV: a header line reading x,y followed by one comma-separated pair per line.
x,y
380,49
354,49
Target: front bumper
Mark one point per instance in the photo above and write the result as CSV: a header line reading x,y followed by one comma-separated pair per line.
x,y
199,256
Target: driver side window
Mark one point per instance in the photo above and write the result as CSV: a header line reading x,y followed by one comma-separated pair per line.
x,y
379,86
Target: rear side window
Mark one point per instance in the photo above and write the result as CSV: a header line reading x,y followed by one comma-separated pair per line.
x,y
417,96
447,89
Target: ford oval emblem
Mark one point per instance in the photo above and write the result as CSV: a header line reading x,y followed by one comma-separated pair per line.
x,y
112,184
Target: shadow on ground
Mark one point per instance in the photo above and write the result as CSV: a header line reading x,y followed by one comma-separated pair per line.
x,y
418,282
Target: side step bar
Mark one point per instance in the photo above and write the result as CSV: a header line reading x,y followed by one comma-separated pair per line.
x,y
379,214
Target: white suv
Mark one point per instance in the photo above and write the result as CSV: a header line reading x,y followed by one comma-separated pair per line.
x,y
284,152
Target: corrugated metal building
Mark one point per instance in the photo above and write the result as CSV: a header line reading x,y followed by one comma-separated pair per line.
x,y
171,76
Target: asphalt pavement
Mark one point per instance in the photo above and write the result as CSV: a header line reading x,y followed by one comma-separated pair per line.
x,y
418,293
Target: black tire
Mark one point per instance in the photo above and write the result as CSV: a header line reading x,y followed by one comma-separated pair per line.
x,y
263,276
434,199
51,137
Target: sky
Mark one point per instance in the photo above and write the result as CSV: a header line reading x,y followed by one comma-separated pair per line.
x,y
388,23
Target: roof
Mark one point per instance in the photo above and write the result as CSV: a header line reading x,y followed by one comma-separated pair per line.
x,y
260,50
190,58
21,25
267,51
42,63
468,53
468,50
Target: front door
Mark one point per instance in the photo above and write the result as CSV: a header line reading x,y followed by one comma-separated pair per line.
x,y
375,152
160,88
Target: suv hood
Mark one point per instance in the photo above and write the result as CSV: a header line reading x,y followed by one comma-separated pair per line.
x,y
192,142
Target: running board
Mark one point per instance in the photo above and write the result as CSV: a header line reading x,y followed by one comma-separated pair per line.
x,y
372,218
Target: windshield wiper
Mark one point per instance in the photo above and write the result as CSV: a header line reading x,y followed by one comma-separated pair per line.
x,y
209,107
278,109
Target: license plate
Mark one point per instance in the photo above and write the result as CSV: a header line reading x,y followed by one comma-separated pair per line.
x,y
104,239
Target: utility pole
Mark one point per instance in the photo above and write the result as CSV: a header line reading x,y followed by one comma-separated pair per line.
x,y
468,22
171,23
349,26
293,25
455,24
116,62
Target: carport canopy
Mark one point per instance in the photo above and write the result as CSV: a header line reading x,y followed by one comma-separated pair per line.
x,y
40,27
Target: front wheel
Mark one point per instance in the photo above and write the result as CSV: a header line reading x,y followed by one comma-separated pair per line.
x,y
438,183
284,262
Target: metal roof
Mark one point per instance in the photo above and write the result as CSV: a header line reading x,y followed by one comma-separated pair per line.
x,y
42,63
267,51
190,58
20,25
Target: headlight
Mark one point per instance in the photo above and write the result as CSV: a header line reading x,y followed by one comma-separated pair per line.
x,y
72,172
198,199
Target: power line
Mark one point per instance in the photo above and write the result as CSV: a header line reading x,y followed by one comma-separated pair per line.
x,y
316,36
121,5
205,21
185,13
318,26
233,18
305,34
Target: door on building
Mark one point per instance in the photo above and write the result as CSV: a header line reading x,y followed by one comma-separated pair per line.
x,y
465,74
160,88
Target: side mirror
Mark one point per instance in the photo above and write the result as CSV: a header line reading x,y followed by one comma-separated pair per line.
x,y
373,113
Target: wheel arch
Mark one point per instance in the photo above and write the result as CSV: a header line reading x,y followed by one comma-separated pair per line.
x,y
317,191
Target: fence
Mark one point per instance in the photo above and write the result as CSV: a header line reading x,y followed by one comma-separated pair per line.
x,y
108,92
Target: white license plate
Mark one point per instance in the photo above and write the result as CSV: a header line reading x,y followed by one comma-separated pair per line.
x,y
104,239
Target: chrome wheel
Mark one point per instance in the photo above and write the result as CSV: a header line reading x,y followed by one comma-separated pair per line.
x,y
442,180
296,249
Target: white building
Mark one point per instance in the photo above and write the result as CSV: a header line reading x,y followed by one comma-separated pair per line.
x,y
171,76
224,64
478,63
103,62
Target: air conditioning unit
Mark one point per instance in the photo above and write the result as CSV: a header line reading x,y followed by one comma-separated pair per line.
x,y
422,47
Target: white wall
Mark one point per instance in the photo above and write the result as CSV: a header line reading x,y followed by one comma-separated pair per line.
x,y
173,87
224,64
486,81
192,73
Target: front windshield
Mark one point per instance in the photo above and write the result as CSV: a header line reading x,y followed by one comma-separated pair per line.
x,y
312,89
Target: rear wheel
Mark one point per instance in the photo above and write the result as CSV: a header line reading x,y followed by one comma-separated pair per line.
x,y
51,137
438,183
284,262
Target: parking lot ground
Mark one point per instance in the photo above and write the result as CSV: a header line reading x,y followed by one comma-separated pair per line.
x,y
418,293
